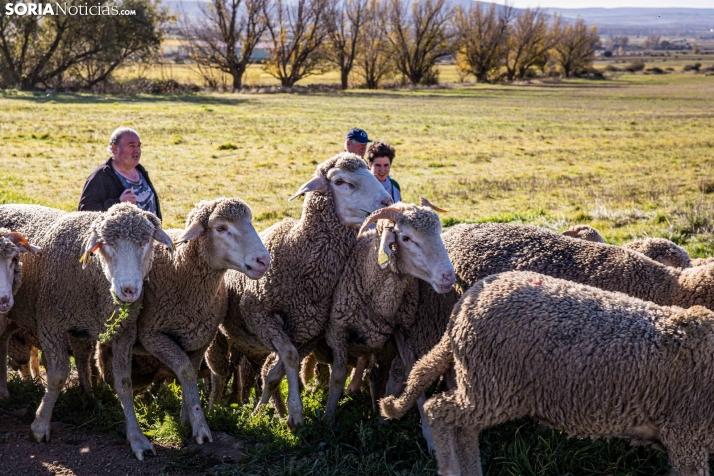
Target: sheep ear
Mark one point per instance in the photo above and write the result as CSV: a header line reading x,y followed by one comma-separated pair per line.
x,y
92,245
19,240
385,250
570,233
161,236
193,230
317,184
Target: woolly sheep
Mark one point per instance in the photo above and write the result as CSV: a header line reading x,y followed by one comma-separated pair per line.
x,y
185,296
658,249
479,250
590,362
288,309
376,296
59,297
584,232
661,250
701,261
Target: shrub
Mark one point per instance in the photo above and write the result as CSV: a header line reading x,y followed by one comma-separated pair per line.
x,y
692,67
635,66
654,70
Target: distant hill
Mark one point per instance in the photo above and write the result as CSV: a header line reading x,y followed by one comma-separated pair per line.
x,y
696,22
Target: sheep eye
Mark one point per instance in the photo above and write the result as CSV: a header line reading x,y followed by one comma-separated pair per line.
x,y
339,182
221,229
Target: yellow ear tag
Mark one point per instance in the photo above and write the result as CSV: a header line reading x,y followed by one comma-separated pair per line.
x,y
382,259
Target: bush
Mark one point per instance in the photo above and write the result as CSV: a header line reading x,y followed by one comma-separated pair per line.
x,y
607,54
692,67
655,70
635,66
612,69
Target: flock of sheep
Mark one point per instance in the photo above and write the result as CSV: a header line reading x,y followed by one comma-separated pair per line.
x,y
593,339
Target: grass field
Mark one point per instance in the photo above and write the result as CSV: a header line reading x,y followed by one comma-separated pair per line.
x,y
633,156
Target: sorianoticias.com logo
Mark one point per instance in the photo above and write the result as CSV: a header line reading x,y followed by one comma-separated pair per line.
x,y
35,9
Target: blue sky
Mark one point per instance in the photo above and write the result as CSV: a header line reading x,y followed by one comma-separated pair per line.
x,y
612,3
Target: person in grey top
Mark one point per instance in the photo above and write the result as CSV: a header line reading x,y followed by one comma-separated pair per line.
x,y
380,156
121,178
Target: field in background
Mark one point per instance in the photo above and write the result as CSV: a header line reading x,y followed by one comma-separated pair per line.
x,y
632,156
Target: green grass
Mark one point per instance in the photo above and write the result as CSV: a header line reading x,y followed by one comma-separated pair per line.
x,y
633,157
357,445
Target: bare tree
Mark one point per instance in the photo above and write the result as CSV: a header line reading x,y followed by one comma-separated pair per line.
x,y
482,34
528,43
297,33
374,61
38,51
226,36
575,45
651,42
419,36
346,25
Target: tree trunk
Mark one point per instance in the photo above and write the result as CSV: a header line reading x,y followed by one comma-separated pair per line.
x,y
237,74
344,76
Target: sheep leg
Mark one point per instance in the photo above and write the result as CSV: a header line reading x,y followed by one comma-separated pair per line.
x,y
217,358
248,379
82,351
35,364
408,356
172,355
121,368
443,412
338,343
196,358
307,369
289,363
467,449
273,372
56,351
357,376
4,342
104,359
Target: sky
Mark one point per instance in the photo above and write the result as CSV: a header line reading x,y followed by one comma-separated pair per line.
x,y
611,3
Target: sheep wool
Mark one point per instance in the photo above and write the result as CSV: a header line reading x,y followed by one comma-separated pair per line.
x,y
576,358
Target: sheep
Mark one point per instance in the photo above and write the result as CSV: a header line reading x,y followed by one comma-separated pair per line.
x,y
590,362
59,297
661,250
701,261
12,245
376,296
185,295
288,309
584,232
479,250
658,249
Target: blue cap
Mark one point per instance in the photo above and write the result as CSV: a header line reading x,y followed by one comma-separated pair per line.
x,y
358,135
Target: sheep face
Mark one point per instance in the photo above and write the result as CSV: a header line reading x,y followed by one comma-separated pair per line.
x,y
236,245
356,194
9,264
126,264
411,240
122,237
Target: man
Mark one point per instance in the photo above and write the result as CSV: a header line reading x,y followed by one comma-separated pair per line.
x,y
357,141
380,156
121,178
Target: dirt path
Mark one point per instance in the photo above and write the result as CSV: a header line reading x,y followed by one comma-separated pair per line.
x,y
74,452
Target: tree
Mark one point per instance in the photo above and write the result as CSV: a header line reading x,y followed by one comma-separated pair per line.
x,y
482,34
528,43
226,36
297,32
40,51
419,36
575,45
346,25
651,42
374,61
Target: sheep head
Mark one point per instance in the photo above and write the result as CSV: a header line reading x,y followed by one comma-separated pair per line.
x,y
12,245
228,238
122,237
355,191
410,243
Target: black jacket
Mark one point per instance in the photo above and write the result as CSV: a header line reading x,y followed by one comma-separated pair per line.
x,y
103,189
